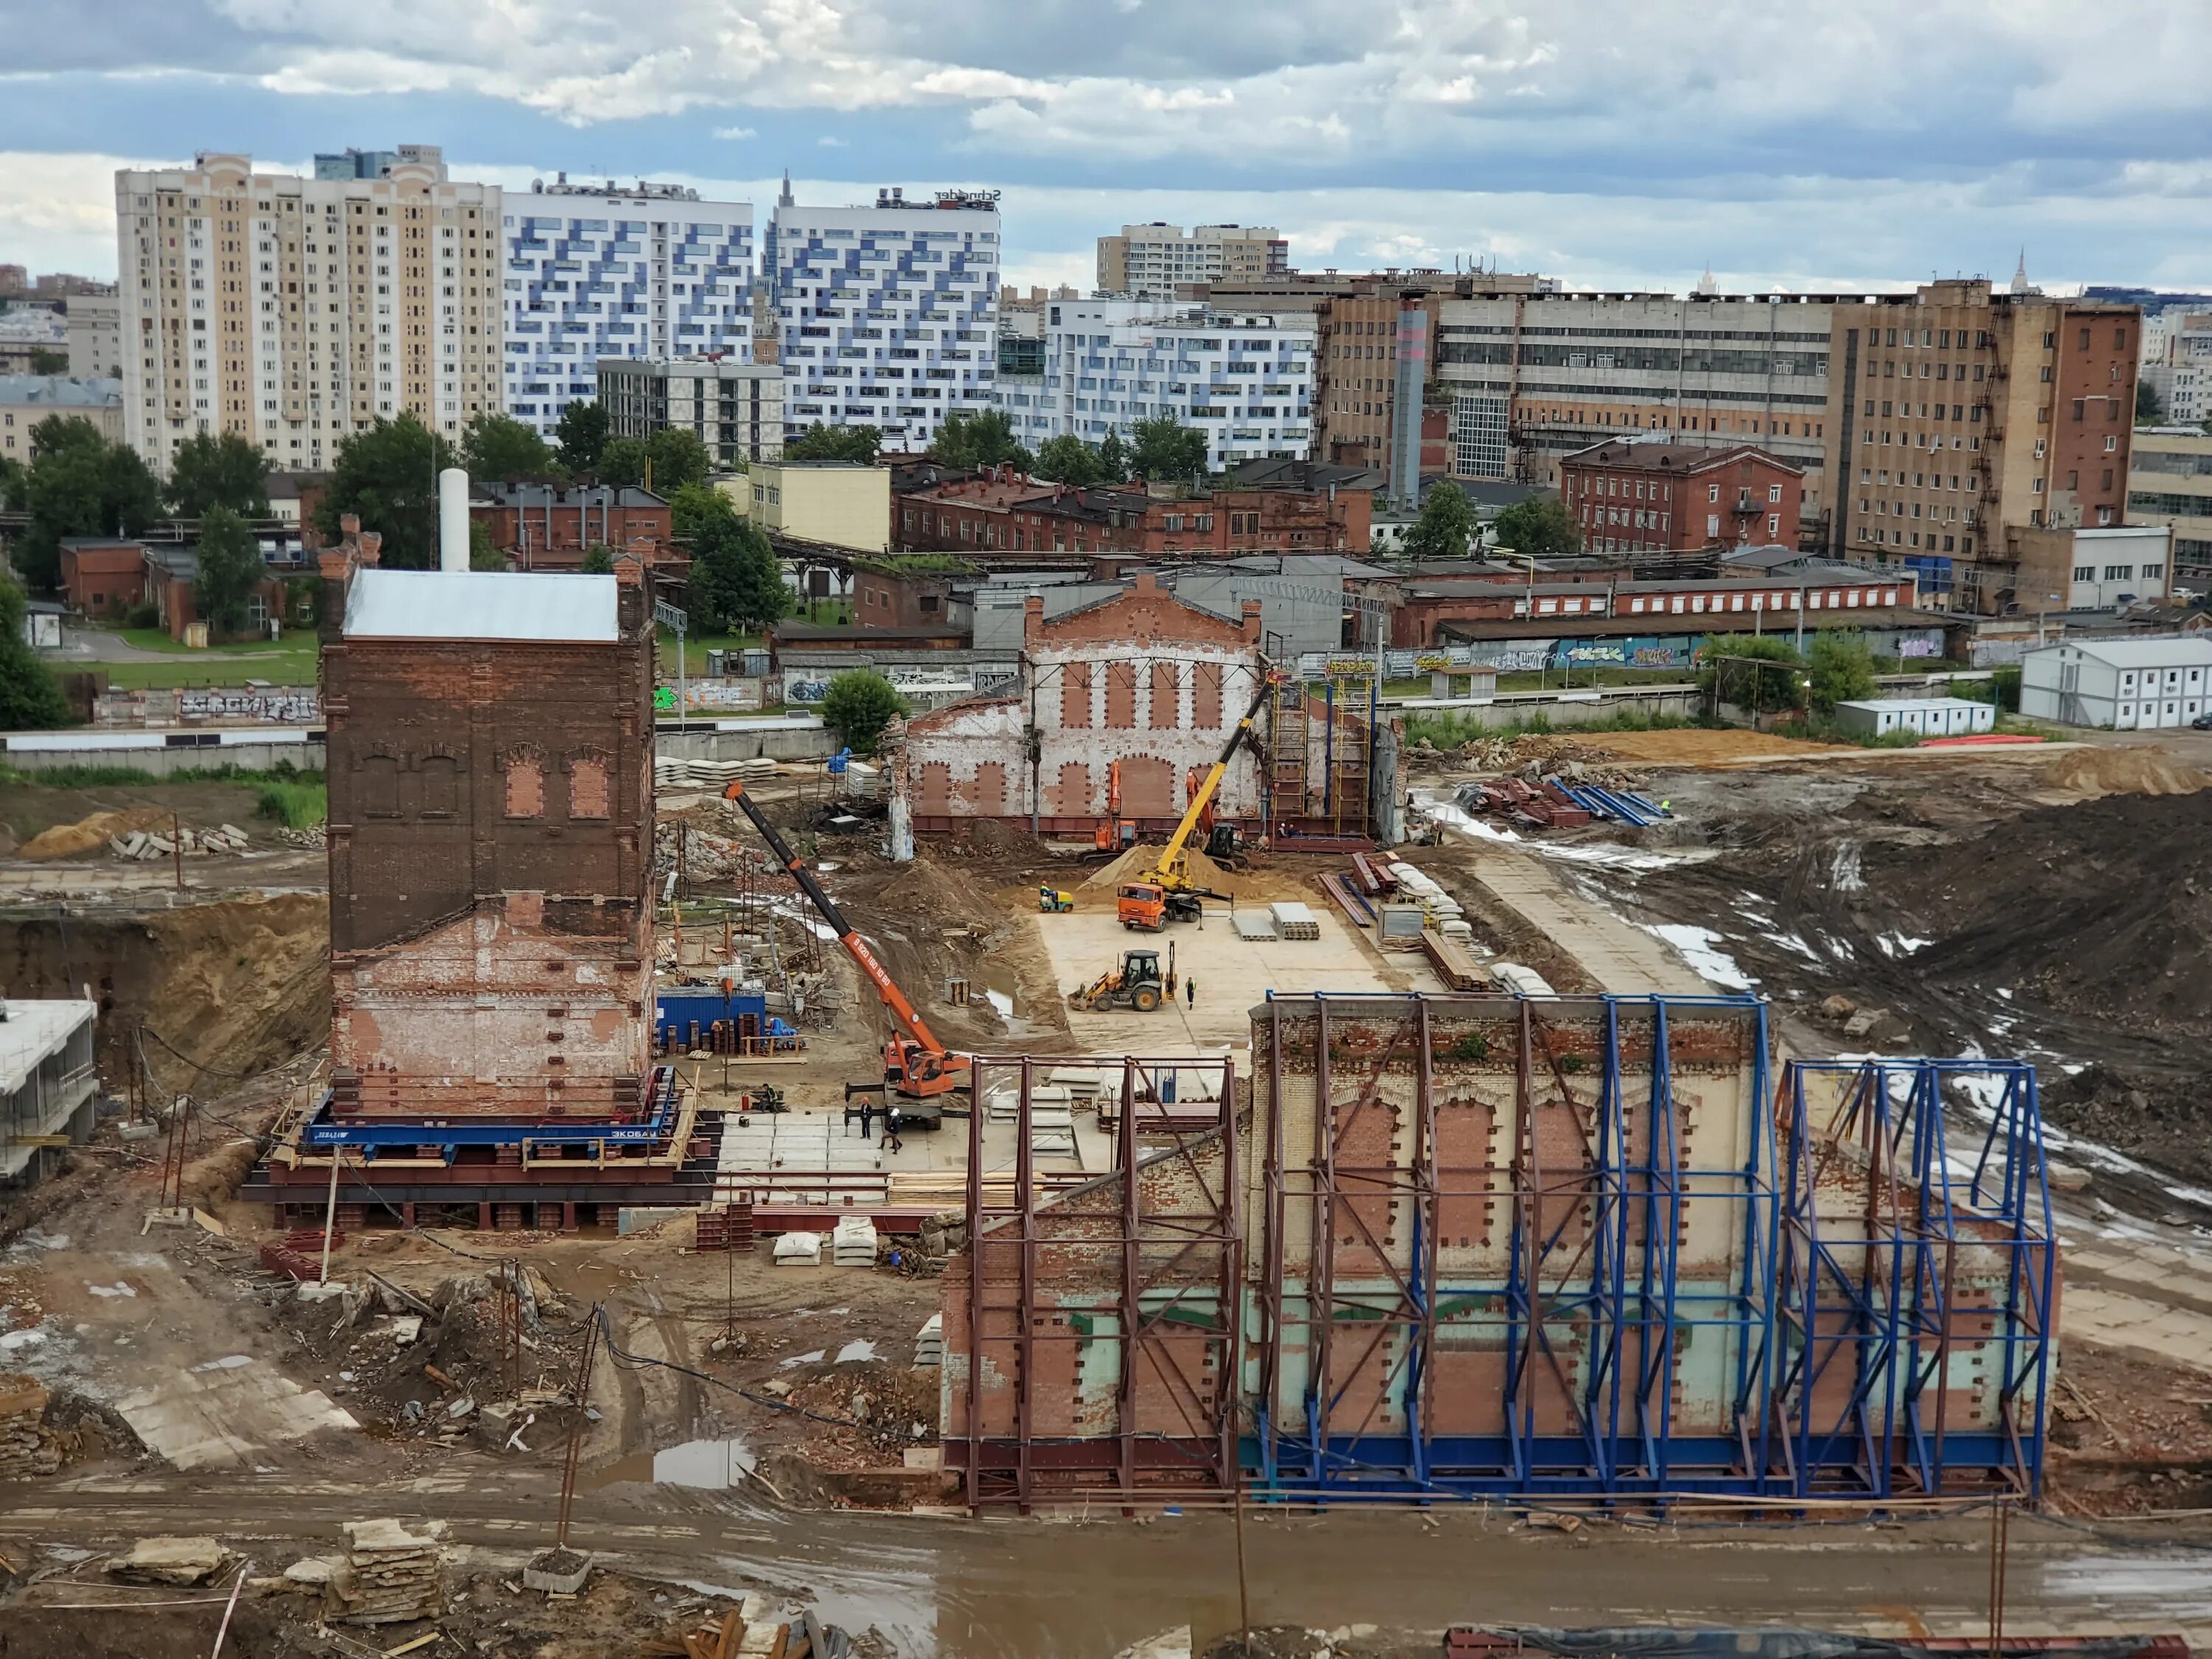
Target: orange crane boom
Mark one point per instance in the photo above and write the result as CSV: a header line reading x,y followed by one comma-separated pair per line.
x,y
929,1071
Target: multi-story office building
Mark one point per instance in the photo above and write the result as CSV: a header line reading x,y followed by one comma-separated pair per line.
x,y
1536,377
888,314
2170,483
293,311
594,271
735,408
1151,261
27,399
1244,379
1356,328
1959,419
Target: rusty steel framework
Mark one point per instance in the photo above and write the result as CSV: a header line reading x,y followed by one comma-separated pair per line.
x,y
1577,1248
1097,1334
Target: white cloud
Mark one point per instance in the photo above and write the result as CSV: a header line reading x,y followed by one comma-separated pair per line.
x,y
735,132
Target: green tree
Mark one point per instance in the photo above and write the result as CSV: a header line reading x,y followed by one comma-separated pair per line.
x,y
79,485
45,360
1447,526
737,586
1841,668
582,432
1163,448
1762,672
835,443
230,569
1067,459
857,706
483,553
984,438
29,698
11,483
622,463
388,474
2150,408
1539,527
498,448
693,507
225,471
678,459
1114,458
598,562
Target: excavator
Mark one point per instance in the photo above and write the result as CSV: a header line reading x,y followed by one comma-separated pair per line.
x,y
1166,892
918,1070
1113,837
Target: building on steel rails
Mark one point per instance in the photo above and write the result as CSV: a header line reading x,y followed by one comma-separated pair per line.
x,y
490,835
1472,1246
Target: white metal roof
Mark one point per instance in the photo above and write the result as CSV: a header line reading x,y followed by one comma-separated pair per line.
x,y
2162,651
1919,704
35,1027
481,604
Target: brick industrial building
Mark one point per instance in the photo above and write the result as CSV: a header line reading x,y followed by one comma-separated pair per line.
x,y
490,834
1654,498
544,526
1140,680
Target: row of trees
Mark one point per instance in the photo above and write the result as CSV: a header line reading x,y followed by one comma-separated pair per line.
x,y
1539,527
1161,447
1766,673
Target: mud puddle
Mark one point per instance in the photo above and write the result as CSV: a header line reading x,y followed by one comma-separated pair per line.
x,y
699,1465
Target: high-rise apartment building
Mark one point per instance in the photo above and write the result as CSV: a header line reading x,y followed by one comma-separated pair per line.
x,y
1536,377
357,163
1243,379
1959,419
293,311
594,271
1149,261
95,335
888,314
735,408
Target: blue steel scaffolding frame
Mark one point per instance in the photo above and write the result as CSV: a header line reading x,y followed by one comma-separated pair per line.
x,y
1850,1355
1931,1293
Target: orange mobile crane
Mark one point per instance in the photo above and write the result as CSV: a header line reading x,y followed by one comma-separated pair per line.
x,y
918,1070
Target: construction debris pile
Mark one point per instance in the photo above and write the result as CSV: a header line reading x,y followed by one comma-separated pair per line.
x,y
1564,800
1532,755
877,1409
130,833
478,1356
193,843
27,1446
389,1576
702,854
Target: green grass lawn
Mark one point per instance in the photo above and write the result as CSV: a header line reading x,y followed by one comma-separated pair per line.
x,y
288,662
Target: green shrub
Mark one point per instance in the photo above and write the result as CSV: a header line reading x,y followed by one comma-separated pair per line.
x,y
295,805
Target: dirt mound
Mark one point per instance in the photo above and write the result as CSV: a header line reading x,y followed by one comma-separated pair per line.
x,y
2090,773
240,984
2104,909
882,1409
938,894
91,834
1135,864
1696,746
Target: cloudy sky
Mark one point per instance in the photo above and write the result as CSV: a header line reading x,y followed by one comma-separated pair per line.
x,y
1864,144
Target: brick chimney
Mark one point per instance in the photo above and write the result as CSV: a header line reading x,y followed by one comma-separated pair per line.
x,y
1033,620
1252,622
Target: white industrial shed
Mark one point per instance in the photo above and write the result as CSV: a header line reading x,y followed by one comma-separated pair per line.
x,y
1932,717
2124,684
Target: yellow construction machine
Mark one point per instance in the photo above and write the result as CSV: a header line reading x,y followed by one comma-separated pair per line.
x,y
1167,892
1137,983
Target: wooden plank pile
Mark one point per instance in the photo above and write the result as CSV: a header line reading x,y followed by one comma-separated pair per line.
x,y
27,1446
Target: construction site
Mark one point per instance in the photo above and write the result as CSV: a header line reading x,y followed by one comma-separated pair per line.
x,y
1149,1163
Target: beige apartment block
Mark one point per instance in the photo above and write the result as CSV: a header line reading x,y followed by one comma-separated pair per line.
x,y
294,310
2170,483
1148,261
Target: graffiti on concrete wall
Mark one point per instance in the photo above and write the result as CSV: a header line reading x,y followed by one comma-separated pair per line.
x,y
279,704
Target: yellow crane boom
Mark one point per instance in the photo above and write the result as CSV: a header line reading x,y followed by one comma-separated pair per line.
x,y
1170,869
